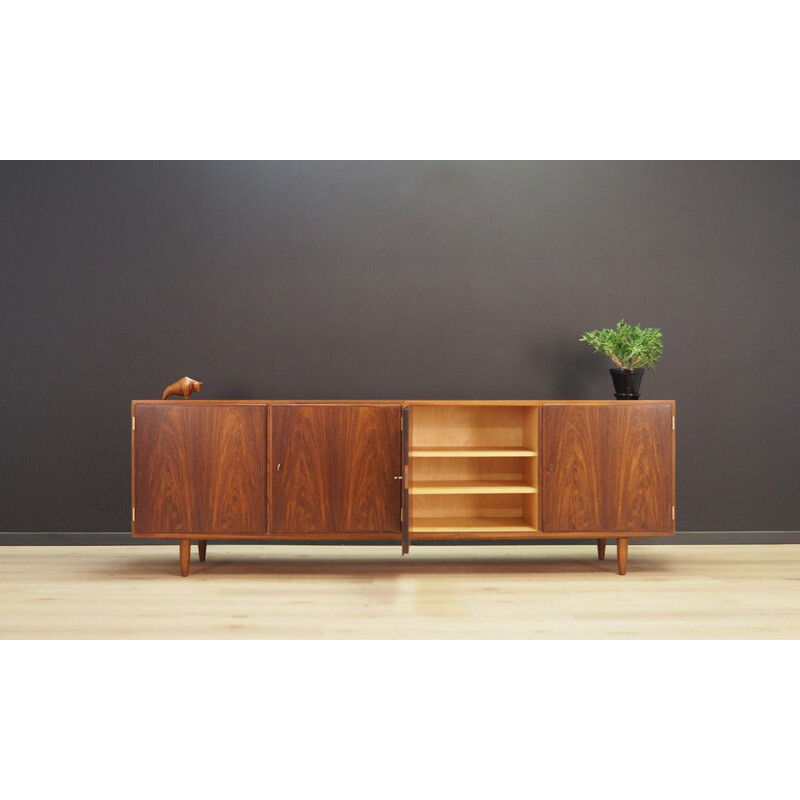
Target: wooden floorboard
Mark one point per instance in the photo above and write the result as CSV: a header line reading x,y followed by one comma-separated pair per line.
x,y
301,592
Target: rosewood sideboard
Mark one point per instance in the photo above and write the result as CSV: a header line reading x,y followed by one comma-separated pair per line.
x,y
402,471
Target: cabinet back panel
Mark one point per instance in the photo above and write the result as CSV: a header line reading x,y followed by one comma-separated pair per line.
x,y
469,426
470,469
469,505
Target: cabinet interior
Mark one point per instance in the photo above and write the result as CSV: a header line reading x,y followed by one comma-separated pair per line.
x,y
473,469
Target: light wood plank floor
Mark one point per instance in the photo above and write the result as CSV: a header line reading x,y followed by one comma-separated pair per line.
x,y
301,592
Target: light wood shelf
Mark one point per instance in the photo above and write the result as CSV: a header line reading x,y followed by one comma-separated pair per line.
x,y
472,524
471,487
473,472
472,452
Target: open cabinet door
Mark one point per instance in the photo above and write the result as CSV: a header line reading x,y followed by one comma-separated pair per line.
x,y
406,480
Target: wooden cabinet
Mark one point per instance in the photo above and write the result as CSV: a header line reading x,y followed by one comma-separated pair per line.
x,y
607,468
335,469
200,469
403,471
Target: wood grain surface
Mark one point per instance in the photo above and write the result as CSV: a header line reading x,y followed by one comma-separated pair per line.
x,y
622,556
409,402
335,469
200,469
259,592
607,468
406,520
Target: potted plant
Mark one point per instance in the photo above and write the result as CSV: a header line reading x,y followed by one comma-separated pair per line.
x,y
631,348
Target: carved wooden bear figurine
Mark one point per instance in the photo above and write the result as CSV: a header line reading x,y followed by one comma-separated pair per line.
x,y
184,386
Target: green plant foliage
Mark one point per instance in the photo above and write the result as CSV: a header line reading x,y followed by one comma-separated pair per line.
x,y
628,346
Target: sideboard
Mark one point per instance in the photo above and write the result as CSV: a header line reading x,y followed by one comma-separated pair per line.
x,y
402,471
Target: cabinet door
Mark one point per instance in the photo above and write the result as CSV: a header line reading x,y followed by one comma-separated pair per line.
x,y
406,515
335,469
607,468
200,469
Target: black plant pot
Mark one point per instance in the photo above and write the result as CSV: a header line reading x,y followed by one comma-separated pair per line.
x,y
626,383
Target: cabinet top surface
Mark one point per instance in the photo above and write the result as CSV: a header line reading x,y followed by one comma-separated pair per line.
x,y
181,401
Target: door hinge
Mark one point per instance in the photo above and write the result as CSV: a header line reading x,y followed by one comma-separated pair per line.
x,y
133,514
133,423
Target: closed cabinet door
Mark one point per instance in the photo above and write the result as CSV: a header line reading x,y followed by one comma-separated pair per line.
x,y
607,468
200,469
335,469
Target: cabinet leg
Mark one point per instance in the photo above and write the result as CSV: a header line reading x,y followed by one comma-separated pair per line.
x,y
622,555
186,551
201,548
601,549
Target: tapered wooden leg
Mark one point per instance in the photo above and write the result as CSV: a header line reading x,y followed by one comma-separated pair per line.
x,y
201,548
622,555
186,551
601,549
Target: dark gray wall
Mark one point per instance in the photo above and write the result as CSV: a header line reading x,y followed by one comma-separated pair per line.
x,y
395,280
